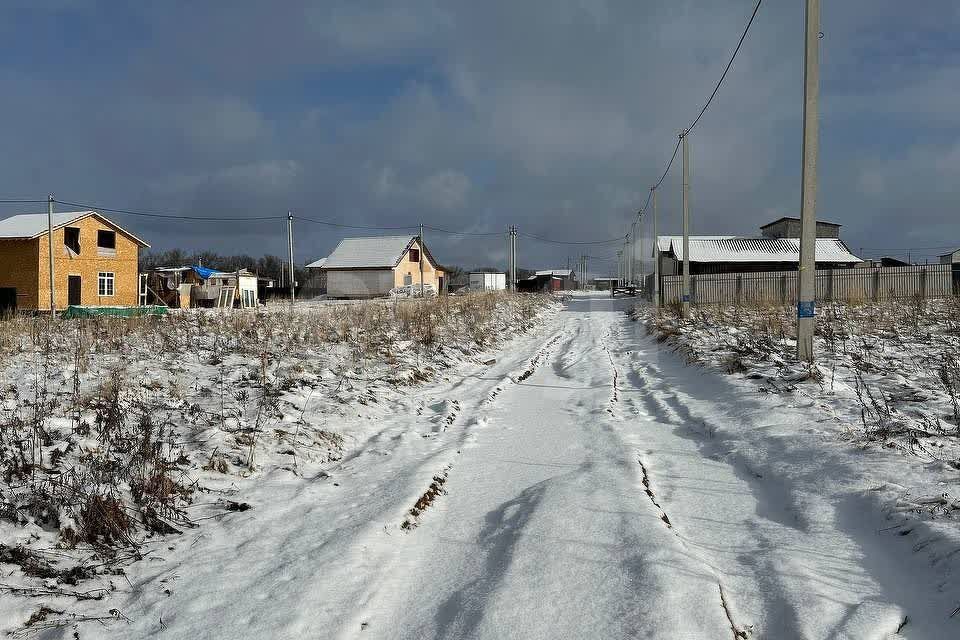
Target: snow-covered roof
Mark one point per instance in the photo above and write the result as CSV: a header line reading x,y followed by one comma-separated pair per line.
x,y
663,242
317,264
34,225
559,273
720,249
382,252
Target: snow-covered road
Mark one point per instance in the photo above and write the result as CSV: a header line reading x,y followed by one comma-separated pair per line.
x,y
593,486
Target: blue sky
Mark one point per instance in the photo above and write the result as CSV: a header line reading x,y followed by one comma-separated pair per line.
x,y
555,115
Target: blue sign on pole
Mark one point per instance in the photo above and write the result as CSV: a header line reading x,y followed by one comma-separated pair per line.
x,y
685,298
806,309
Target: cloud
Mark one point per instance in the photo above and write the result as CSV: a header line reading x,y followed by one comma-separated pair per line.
x,y
555,115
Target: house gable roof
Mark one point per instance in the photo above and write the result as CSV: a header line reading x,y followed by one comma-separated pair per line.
x,y
378,252
317,264
29,226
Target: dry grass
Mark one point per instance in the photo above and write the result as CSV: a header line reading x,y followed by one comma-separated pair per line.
x,y
108,424
899,359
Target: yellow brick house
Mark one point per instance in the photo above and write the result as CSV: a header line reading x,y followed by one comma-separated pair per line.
x,y
95,262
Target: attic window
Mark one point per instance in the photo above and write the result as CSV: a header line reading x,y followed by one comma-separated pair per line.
x,y
106,242
71,239
414,255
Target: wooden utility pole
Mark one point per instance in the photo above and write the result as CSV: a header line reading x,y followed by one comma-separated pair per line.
x,y
807,285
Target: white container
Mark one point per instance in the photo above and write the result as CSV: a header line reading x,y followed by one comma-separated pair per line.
x,y
488,281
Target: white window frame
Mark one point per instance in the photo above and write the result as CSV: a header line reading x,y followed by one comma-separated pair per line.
x,y
106,284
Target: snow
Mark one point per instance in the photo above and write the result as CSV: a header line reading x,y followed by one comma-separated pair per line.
x,y
580,480
732,249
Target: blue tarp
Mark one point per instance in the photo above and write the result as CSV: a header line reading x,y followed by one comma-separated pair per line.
x,y
205,273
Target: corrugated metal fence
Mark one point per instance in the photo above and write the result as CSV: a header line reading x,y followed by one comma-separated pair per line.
x,y
842,285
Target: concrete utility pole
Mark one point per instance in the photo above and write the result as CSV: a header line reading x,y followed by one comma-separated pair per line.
x,y
420,253
685,292
806,305
656,252
293,283
53,306
512,253
509,238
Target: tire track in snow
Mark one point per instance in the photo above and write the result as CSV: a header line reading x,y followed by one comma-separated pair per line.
x,y
424,502
669,410
539,358
739,632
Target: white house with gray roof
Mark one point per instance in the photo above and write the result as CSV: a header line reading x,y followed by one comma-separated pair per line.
x,y
370,267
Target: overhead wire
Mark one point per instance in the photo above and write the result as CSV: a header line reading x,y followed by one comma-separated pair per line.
x,y
713,94
353,226
727,69
576,242
169,216
464,233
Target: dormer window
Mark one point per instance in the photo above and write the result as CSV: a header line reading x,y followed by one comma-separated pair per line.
x,y
106,242
414,255
71,239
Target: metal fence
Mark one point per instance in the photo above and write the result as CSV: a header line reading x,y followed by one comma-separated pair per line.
x,y
842,285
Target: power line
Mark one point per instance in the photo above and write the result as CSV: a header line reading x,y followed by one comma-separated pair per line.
x,y
14,201
727,69
169,216
542,239
667,170
354,226
464,233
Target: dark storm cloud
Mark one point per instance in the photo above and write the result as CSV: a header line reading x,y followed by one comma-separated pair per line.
x,y
556,116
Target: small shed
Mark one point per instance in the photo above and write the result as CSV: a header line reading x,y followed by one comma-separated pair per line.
x,y
605,284
195,286
370,267
567,278
488,281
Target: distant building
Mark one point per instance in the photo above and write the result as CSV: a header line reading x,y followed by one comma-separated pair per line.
x,y
777,250
567,277
951,258
790,228
487,281
605,284
370,267
547,281
95,262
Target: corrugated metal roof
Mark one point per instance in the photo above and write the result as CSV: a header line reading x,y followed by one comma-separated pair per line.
x,y
664,241
317,264
34,225
560,273
758,250
368,253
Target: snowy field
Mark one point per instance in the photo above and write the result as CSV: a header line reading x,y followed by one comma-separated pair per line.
x,y
123,439
514,470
